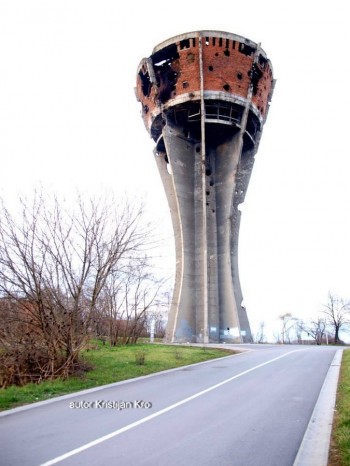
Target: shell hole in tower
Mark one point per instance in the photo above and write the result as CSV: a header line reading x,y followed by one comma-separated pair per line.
x,y
211,68
246,49
184,44
216,54
146,84
160,148
227,53
207,193
190,57
226,87
208,171
239,76
198,149
211,183
185,84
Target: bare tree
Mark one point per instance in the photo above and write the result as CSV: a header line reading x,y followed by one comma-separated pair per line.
x,y
299,328
288,323
54,263
130,296
337,314
110,313
316,329
141,292
260,336
157,316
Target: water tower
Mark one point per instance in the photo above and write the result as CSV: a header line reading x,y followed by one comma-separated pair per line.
x,y
205,97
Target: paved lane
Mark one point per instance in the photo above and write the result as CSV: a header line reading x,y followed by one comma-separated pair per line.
x,y
250,409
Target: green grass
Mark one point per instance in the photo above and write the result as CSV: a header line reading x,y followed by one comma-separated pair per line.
x,y
340,443
111,365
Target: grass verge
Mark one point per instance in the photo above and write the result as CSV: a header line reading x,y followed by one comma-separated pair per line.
x,y
111,365
340,441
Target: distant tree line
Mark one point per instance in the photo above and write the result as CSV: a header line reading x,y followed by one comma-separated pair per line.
x,y
324,328
69,273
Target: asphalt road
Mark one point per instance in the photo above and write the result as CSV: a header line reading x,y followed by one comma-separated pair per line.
x,y
250,409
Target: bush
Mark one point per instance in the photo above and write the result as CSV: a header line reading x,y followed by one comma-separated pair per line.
x,y
140,358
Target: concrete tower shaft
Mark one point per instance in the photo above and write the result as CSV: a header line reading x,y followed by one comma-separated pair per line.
x,y
205,98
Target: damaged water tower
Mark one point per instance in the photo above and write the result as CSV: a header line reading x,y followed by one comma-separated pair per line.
x,y
205,97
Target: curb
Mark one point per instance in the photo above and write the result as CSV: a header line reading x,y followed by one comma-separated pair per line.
x,y
314,448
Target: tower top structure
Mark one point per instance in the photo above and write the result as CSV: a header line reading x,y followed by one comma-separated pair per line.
x,y
217,65
205,97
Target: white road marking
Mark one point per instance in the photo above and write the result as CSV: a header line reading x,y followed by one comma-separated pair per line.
x,y
159,413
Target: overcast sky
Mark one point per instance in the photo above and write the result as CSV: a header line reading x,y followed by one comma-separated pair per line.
x,y
69,120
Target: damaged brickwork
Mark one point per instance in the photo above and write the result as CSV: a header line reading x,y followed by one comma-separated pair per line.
x,y
172,74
